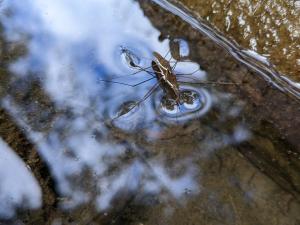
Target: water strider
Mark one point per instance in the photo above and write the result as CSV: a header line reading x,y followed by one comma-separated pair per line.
x,y
166,79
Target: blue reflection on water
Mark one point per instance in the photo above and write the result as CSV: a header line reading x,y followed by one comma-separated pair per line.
x,y
71,44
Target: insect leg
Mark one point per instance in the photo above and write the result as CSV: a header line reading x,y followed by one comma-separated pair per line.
x,y
131,85
168,53
134,73
183,74
143,81
174,66
206,82
147,95
149,72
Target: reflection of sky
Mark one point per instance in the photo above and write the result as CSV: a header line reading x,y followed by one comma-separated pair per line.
x,y
72,44
18,188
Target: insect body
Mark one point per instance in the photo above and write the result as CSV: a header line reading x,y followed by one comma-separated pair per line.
x,y
166,78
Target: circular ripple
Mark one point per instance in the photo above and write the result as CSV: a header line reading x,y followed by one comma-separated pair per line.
x,y
129,56
127,116
195,102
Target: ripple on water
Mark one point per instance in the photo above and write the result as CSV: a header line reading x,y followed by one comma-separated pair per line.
x,y
195,102
126,52
124,112
127,115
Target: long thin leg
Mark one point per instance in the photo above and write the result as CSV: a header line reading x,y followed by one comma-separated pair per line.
x,y
140,70
149,72
174,66
170,60
168,53
130,85
183,74
206,82
147,95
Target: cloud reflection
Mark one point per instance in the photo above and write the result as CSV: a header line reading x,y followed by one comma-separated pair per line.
x,y
18,188
72,44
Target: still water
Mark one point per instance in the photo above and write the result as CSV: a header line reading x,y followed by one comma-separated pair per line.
x,y
67,80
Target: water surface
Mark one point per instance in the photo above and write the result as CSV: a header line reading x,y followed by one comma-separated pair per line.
x,y
80,162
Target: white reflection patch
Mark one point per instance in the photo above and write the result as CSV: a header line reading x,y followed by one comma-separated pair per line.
x,y
18,188
74,43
